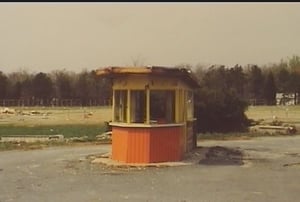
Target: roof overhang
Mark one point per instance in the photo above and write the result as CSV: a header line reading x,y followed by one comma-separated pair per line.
x,y
182,73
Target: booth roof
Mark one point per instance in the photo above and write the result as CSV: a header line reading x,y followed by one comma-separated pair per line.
x,y
182,73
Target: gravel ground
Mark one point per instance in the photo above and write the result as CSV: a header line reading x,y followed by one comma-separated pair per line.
x,y
269,172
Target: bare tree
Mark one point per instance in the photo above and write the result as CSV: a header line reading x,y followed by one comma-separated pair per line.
x,y
138,61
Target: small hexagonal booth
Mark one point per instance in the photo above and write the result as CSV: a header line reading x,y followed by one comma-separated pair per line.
x,y
152,113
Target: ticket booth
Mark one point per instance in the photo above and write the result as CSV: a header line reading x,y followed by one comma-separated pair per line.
x,y
152,113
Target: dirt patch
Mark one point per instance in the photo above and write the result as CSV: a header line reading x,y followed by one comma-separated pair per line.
x,y
292,164
222,156
293,154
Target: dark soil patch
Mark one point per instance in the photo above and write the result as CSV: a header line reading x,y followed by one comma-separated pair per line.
x,y
222,156
292,164
293,154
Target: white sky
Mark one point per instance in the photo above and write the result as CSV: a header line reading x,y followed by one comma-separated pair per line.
x,y
75,36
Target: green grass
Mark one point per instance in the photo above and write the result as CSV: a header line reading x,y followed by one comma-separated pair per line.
x,y
71,122
76,130
286,114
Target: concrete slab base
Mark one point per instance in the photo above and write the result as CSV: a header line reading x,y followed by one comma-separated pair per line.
x,y
106,160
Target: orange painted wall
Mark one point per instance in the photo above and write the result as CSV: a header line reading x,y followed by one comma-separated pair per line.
x,y
165,144
119,144
138,145
146,145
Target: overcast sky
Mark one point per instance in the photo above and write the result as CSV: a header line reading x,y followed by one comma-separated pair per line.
x,y
76,36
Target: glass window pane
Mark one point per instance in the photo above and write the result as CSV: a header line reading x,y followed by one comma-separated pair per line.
x,y
120,105
190,105
138,106
162,106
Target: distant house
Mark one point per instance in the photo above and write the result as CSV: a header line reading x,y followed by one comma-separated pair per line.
x,y
286,98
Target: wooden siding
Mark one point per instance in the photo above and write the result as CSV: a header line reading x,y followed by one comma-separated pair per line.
x,y
191,141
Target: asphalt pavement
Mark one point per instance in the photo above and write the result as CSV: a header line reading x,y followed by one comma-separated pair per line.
x,y
271,172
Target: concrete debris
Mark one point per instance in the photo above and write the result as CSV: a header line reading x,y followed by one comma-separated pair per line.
x,y
56,137
32,138
104,136
88,115
270,129
79,139
25,113
7,110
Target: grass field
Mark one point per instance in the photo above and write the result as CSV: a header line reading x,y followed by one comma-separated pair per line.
x,y
286,114
89,121
40,116
70,122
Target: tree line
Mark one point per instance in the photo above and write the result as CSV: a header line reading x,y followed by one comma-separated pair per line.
x,y
254,84
251,83
220,102
226,92
52,88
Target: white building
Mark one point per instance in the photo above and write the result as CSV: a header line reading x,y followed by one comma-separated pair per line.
x,y
286,98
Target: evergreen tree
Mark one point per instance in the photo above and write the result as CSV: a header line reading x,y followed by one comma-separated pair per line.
x,y
270,89
3,85
42,86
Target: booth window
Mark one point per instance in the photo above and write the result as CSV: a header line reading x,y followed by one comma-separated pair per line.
x,y
190,105
120,106
162,106
138,106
